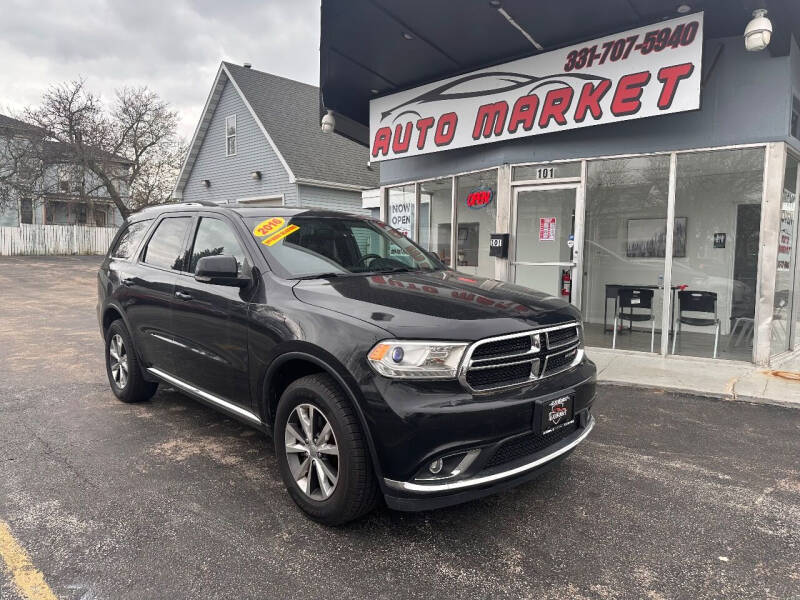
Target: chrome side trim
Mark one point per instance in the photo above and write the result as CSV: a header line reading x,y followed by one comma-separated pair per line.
x,y
408,486
196,391
167,339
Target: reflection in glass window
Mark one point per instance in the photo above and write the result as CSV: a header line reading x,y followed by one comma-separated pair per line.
x,y
309,246
785,268
436,203
215,238
476,202
129,239
164,248
624,249
718,196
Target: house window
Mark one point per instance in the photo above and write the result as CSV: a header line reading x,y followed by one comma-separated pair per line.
x,y
99,217
56,213
79,214
230,135
26,211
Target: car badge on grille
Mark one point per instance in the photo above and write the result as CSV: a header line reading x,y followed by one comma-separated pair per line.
x,y
536,342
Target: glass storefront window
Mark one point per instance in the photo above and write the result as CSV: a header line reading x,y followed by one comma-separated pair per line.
x,y
624,251
402,209
785,268
476,212
435,216
718,200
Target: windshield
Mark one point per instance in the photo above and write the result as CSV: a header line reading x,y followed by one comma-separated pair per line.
x,y
309,247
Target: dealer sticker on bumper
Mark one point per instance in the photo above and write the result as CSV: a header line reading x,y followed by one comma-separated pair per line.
x,y
556,414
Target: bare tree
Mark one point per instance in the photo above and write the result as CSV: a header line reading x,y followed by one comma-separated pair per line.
x,y
129,150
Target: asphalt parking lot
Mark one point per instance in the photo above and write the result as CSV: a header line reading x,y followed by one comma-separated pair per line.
x,y
671,497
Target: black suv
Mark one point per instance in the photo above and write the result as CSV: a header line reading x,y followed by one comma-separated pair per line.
x,y
376,368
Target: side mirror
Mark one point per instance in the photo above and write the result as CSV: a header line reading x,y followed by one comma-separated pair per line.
x,y
219,270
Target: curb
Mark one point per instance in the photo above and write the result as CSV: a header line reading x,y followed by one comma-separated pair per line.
x,y
706,395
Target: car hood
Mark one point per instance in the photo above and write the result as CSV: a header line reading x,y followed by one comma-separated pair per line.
x,y
438,305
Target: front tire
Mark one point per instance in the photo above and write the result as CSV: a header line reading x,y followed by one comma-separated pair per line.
x,y
322,454
122,366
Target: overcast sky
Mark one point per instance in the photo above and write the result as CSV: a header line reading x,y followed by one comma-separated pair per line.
x,y
173,46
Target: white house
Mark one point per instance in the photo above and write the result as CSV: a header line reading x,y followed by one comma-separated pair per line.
x,y
61,208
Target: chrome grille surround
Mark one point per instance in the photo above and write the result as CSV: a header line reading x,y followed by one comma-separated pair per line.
x,y
537,356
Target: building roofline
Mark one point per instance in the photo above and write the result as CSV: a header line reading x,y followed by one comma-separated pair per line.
x,y
183,175
212,101
292,178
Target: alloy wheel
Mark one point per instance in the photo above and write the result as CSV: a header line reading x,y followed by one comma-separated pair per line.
x,y
312,452
118,361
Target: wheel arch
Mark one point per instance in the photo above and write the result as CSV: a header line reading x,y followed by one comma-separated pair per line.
x,y
302,363
112,312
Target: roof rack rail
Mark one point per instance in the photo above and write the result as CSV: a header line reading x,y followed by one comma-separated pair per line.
x,y
200,203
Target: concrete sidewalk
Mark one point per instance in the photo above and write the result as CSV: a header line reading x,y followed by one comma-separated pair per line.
x,y
729,380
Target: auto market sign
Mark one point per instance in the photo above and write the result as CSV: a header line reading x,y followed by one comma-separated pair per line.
x,y
643,72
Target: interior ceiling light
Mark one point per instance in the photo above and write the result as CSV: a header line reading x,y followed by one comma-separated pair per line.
x,y
373,91
683,8
495,3
408,36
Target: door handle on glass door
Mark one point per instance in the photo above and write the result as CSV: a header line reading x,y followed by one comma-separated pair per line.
x,y
183,295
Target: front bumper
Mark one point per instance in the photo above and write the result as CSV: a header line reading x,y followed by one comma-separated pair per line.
x,y
414,496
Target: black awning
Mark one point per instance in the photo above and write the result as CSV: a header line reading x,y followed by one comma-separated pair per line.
x,y
374,47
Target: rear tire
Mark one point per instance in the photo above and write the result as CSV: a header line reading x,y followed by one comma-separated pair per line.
x,y
308,462
122,366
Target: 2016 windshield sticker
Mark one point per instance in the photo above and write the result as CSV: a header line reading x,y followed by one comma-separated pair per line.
x,y
276,237
268,226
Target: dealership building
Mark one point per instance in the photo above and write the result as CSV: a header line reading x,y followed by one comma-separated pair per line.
x,y
636,157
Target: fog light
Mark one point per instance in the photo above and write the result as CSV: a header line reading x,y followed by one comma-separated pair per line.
x,y
436,466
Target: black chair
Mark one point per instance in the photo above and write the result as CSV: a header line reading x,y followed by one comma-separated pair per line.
x,y
635,299
697,302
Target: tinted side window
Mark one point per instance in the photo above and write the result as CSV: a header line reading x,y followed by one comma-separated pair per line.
x,y
215,238
129,240
164,248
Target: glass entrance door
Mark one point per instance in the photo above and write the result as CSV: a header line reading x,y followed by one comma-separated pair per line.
x,y
544,254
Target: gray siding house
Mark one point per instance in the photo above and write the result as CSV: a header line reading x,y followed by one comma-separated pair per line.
x,y
259,142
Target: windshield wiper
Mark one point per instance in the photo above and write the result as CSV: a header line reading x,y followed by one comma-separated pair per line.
x,y
320,276
397,270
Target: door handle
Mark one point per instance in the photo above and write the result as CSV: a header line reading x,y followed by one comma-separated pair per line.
x,y
183,295
127,281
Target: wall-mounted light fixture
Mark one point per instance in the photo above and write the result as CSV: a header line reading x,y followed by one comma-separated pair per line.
x,y
758,32
256,175
328,122
207,182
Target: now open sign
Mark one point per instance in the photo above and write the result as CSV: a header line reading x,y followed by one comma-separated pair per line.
x,y
480,197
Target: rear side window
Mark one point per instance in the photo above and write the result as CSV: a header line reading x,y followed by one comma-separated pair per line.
x,y
165,246
216,238
129,240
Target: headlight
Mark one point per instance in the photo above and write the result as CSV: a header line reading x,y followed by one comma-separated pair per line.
x,y
417,360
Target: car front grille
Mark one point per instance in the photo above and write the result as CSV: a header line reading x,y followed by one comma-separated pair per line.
x,y
503,347
496,363
528,444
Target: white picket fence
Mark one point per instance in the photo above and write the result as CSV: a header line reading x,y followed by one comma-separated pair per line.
x,y
55,239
